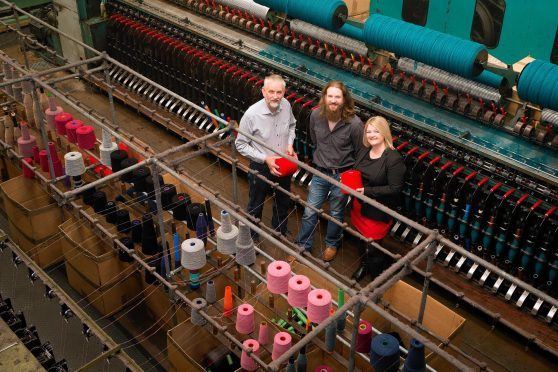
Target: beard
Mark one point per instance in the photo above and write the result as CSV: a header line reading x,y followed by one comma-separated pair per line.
x,y
333,115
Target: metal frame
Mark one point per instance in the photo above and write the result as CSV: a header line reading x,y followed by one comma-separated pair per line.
x,y
162,162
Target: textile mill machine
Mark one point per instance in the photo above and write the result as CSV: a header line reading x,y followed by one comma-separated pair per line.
x,y
479,136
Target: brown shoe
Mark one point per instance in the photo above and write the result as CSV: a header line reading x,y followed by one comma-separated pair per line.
x,y
329,253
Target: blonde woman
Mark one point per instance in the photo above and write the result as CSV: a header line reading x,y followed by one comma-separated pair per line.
x,y
383,173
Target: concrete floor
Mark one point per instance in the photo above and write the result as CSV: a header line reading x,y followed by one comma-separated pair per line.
x,y
501,350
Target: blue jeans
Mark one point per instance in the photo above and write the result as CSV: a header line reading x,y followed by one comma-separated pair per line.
x,y
317,195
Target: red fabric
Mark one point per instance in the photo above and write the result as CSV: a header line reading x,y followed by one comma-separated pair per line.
x,y
369,228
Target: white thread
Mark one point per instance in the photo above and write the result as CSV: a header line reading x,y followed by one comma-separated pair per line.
x,y
73,161
105,153
193,254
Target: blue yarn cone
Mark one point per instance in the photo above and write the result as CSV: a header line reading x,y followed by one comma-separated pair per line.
x,y
415,359
176,242
201,228
384,353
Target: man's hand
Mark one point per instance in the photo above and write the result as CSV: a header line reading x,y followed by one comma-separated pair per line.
x,y
290,151
273,168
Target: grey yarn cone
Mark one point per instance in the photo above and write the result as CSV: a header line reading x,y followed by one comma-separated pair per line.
x,y
245,252
227,234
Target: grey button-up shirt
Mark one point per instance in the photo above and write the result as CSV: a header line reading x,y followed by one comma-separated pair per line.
x,y
276,129
335,148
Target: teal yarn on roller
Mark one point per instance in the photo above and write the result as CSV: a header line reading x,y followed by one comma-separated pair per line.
x,y
351,31
447,52
538,83
491,79
330,14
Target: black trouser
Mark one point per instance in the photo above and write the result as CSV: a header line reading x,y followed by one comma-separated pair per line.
x,y
374,260
258,192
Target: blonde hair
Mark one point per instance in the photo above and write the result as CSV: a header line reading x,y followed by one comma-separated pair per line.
x,y
274,77
382,125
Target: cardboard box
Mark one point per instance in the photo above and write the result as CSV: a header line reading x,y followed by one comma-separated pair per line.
x,y
123,291
31,209
95,258
45,253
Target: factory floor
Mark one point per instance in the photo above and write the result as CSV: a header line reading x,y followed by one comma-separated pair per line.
x,y
501,350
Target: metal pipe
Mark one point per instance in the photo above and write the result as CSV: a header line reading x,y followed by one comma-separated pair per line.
x,y
75,75
74,192
424,296
234,173
109,91
21,41
356,322
160,211
189,144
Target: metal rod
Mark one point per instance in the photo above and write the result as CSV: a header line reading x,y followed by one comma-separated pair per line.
x,y
109,91
234,161
21,41
356,322
429,264
160,211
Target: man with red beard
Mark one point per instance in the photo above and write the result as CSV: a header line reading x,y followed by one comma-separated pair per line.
x,y
336,133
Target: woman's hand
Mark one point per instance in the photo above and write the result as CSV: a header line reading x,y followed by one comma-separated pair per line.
x,y
360,190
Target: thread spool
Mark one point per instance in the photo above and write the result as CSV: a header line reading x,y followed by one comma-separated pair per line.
x,y
210,294
195,317
105,153
281,343
302,360
8,131
245,319
123,223
86,137
290,365
193,254
116,158
37,110
52,111
87,196
27,172
26,142
139,175
18,96
227,302
319,302
150,188
73,162
245,251
149,277
179,204
17,130
43,159
299,288
56,163
28,105
364,336
122,254
60,122
278,275
71,127
227,234
330,334
99,201
201,228
36,156
263,333
148,235
323,368
384,354
110,212
127,163
415,361
247,362
167,192
210,224
136,231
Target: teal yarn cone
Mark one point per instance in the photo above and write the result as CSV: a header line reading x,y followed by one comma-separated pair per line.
x,y
384,355
302,361
330,334
415,358
291,365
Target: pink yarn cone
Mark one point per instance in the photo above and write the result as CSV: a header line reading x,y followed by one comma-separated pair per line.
x,y
278,275
71,128
323,368
299,287
263,334
52,151
36,156
43,160
26,142
85,137
281,343
319,302
364,337
246,361
60,121
51,112
27,173
245,319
